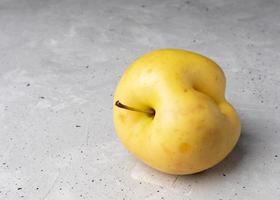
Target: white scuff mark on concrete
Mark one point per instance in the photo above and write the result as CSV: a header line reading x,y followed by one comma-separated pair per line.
x,y
53,42
72,32
59,107
43,105
51,187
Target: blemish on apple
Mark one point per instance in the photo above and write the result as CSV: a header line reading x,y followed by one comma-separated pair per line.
x,y
184,147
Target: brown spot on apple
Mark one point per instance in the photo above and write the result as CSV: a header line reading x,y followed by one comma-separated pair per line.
x,y
200,128
200,107
184,147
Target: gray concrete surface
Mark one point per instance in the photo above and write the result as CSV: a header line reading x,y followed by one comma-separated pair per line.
x,y
60,62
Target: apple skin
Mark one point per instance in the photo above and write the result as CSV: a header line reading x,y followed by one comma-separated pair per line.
x,y
194,127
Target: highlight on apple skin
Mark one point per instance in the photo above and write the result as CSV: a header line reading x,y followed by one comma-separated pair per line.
x,y
170,112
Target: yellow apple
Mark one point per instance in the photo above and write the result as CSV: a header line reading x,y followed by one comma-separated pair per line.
x,y
170,111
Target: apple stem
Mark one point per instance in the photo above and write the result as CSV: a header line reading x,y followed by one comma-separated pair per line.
x,y
149,112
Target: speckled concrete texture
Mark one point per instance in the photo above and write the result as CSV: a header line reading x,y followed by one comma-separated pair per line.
x,y
60,62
